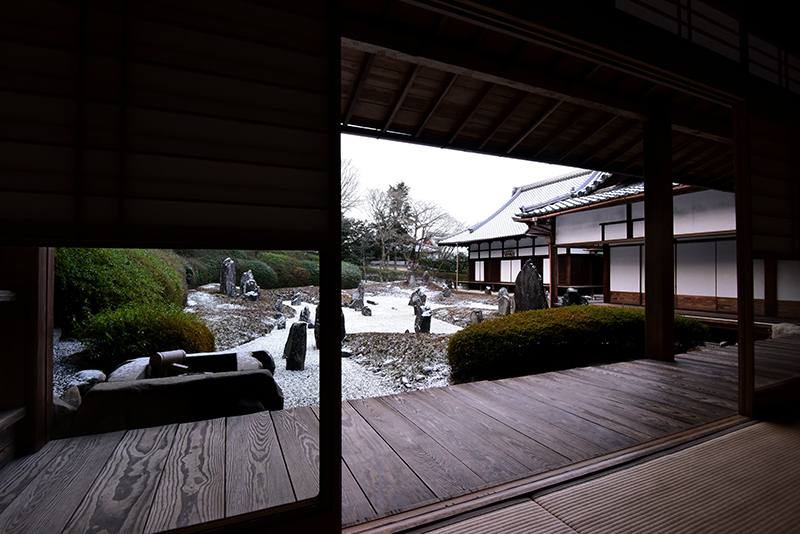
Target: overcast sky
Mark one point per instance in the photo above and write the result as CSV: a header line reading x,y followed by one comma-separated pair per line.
x,y
470,187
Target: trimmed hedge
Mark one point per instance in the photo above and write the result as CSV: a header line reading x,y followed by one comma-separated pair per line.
x,y
139,331
88,281
557,338
351,276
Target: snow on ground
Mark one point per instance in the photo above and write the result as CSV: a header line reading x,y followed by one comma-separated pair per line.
x,y
390,314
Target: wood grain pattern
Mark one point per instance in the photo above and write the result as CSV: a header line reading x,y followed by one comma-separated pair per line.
x,y
15,476
191,489
50,499
386,480
298,434
442,472
355,505
120,497
256,473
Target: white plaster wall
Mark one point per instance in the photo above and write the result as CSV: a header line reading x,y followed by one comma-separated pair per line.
x,y
624,268
726,269
637,210
584,226
704,211
758,279
696,269
788,280
616,231
543,251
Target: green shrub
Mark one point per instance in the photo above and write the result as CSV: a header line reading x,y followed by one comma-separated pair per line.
x,y
289,270
88,281
351,275
263,274
202,265
139,331
556,338
312,267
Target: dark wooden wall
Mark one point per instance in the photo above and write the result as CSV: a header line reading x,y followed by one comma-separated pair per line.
x,y
174,123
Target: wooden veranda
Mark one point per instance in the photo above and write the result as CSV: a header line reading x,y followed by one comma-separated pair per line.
x,y
405,458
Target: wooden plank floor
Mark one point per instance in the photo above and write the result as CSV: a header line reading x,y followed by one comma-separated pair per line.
x,y
161,478
399,453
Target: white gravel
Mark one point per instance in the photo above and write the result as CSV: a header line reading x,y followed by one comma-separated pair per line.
x,y
301,388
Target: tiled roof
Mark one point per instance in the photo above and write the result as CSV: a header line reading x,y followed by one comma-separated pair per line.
x,y
501,223
578,201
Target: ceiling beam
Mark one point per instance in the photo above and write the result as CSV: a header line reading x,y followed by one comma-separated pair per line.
x,y
448,57
439,100
402,97
362,78
623,129
543,117
513,109
564,126
598,127
471,113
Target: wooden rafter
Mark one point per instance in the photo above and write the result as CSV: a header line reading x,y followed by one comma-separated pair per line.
x,y
499,124
362,78
471,114
627,147
443,94
535,125
598,127
401,97
623,129
564,126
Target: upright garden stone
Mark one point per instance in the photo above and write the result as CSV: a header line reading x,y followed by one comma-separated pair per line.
x,y
412,282
488,290
356,304
295,349
503,302
447,292
426,277
366,311
528,289
316,327
227,277
573,298
359,292
422,322
305,315
249,287
279,306
476,317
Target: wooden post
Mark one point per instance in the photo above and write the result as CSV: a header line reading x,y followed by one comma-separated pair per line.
x,y
606,274
552,250
659,254
744,262
771,287
456,287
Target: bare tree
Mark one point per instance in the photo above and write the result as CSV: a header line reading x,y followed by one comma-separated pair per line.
x,y
350,186
428,222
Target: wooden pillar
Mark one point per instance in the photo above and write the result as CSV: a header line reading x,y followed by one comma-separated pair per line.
x,y
771,287
744,261
659,252
552,250
606,274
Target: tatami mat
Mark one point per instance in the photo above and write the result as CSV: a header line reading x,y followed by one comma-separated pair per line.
x,y
745,481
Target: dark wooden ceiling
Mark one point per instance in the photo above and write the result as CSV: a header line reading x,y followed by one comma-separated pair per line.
x,y
413,74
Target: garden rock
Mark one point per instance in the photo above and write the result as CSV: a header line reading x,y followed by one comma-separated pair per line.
x,y
418,298
366,311
112,406
422,322
528,289
476,317
412,282
62,418
447,292
785,329
279,306
294,352
72,396
356,304
488,290
503,302
297,299
305,315
359,292
426,277
573,298
250,289
227,277
280,324
84,380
